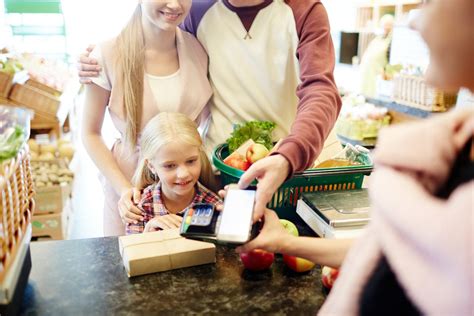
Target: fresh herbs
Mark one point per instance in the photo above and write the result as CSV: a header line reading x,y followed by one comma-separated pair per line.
x,y
258,131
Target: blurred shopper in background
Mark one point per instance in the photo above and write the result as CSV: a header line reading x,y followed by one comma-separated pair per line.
x,y
376,57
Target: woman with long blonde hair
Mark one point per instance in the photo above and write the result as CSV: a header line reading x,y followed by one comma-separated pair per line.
x,y
150,67
173,172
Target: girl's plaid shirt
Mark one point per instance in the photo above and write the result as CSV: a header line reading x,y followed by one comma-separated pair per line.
x,y
152,204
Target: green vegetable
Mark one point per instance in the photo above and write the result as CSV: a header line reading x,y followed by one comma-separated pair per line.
x,y
392,70
11,141
258,131
10,66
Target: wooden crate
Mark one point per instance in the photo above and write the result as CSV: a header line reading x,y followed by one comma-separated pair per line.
x,y
6,82
38,85
50,226
413,91
16,206
35,99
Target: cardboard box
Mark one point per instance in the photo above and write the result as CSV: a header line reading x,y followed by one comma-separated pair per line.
x,y
162,251
53,226
49,200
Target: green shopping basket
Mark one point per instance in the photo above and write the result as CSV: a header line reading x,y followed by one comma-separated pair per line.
x,y
321,179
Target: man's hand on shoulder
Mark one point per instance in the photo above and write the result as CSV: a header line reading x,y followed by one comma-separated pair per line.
x,y
87,66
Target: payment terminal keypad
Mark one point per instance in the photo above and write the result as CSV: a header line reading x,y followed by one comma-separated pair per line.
x,y
200,218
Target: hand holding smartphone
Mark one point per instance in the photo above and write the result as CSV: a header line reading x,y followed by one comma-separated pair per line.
x,y
233,225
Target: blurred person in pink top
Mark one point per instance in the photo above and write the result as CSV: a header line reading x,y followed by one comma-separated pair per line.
x,y
416,256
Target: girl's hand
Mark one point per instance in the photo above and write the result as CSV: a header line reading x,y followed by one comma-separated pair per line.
x,y
128,210
272,237
163,222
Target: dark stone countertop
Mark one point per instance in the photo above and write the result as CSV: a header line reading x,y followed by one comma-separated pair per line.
x,y
86,277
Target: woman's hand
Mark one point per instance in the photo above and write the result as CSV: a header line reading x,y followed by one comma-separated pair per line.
x,y
272,237
163,222
128,210
87,66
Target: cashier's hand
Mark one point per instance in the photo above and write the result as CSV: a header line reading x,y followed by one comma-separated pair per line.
x,y
127,205
271,238
163,222
88,67
270,172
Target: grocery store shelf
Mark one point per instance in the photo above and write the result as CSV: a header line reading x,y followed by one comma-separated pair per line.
x,y
367,143
40,30
401,108
33,6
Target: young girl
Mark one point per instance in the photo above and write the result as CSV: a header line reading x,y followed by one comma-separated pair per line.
x,y
172,166
150,67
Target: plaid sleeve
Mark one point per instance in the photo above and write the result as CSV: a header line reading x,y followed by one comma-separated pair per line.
x,y
146,205
207,196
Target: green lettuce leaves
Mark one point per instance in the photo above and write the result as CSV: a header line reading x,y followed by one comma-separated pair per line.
x,y
258,131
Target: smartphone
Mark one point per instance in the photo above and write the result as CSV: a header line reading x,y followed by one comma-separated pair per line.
x,y
235,222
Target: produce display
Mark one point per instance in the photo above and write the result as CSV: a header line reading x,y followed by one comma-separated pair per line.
x,y
52,73
10,65
50,151
51,173
359,120
391,70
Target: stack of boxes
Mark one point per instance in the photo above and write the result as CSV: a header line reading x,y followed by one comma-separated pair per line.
x,y
53,185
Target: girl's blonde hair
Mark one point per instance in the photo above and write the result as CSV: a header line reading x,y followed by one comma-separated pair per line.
x,y
131,64
163,129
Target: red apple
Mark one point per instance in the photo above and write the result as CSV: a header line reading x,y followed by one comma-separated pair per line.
x,y
257,259
290,227
329,276
256,152
238,162
297,264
